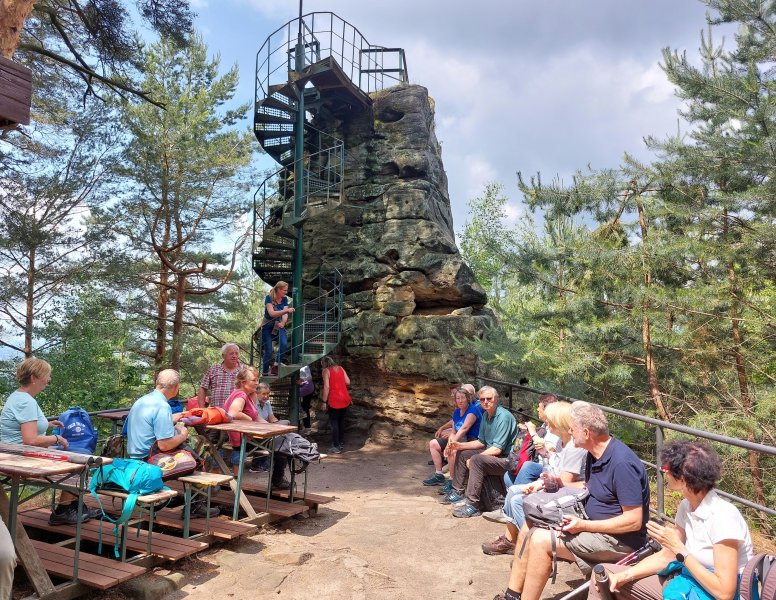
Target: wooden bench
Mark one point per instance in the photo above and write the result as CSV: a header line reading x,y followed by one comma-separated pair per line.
x,y
197,484
310,499
276,508
166,547
147,502
94,571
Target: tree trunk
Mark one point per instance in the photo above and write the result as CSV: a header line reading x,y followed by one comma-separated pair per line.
x,y
177,324
755,467
646,337
161,319
13,14
30,304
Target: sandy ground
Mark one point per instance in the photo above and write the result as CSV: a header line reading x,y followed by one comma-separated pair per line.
x,y
385,536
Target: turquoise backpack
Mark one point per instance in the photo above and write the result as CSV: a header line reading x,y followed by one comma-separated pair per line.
x,y
134,477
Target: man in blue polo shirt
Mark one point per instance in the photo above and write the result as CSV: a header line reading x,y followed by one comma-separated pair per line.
x,y
618,509
483,461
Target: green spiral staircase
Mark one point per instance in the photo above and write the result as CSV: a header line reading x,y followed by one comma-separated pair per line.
x,y
315,65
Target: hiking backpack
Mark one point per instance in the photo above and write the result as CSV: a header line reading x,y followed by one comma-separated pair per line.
x,y
295,446
198,418
78,430
546,510
134,477
758,581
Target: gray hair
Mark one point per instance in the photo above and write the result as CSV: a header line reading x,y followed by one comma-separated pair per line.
x,y
225,347
262,386
587,416
167,379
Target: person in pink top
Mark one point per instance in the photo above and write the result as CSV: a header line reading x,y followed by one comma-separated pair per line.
x,y
241,406
336,400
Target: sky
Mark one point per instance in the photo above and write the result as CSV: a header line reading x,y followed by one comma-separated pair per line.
x,y
547,86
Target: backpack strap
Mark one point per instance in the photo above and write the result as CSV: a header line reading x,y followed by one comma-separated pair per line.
x,y
769,578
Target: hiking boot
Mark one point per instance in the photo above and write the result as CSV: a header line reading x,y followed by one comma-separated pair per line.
x,y
199,511
501,545
497,516
453,496
435,479
446,488
66,515
466,511
281,485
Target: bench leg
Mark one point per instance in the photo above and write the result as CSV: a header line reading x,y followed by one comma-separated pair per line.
x,y
186,509
150,528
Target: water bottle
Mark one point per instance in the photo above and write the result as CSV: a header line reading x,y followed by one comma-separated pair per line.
x,y
602,582
550,481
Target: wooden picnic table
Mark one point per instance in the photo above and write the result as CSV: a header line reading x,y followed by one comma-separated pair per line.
x,y
263,434
47,469
117,416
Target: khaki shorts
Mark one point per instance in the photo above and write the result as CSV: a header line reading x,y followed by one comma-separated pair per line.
x,y
592,548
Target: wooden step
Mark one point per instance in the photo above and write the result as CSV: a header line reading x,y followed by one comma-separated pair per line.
x,y
257,489
277,508
164,546
219,527
95,571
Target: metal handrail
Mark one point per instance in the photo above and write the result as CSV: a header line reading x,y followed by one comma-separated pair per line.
x,y
324,34
324,178
660,427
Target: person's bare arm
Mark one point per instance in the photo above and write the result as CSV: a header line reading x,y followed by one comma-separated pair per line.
x,y
201,396
30,436
629,520
180,437
236,409
347,379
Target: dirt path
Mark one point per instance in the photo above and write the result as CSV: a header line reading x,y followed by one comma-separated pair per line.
x,y
385,537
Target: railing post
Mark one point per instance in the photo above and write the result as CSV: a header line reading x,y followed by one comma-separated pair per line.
x,y
659,480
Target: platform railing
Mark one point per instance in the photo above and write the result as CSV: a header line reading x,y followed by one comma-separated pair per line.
x,y
324,35
509,391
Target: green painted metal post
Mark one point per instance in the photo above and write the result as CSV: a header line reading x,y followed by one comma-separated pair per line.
x,y
299,173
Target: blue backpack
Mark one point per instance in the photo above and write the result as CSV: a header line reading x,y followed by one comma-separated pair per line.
x,y
135,477
78,430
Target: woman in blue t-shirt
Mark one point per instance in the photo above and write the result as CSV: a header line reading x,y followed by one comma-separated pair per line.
x,y
465,424
22,422
276,311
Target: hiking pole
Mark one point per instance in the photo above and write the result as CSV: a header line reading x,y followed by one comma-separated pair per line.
x,y
649,548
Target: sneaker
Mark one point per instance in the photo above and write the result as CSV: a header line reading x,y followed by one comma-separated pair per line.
x,y
453,496
446,488
501,545
497,516
66,515
259,465
466,511
334,450
281,485
435,479
93,513
199,511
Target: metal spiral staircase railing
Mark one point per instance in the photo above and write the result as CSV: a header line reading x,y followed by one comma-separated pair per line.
x,y
317,64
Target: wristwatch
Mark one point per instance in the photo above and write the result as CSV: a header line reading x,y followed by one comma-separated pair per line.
x,y
680,557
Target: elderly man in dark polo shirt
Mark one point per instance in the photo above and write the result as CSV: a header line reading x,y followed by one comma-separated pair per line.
x,y
484,460
618,507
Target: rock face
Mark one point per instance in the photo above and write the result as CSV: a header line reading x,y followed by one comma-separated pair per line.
x,y
409,295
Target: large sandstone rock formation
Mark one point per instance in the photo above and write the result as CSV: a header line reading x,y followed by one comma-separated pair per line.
x,y
409,295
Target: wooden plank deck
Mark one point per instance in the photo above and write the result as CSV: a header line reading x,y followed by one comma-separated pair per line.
x,y
95,571
277,508
164,546
220,527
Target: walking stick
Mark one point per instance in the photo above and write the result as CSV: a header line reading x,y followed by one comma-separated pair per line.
x,y
649,548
